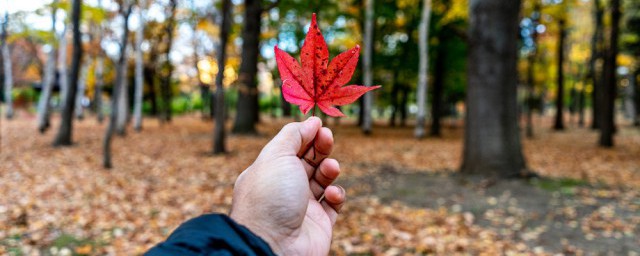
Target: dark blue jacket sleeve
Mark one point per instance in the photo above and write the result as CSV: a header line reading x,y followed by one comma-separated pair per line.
x,y
211,234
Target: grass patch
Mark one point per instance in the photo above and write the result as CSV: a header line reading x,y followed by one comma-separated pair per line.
x,y
565,186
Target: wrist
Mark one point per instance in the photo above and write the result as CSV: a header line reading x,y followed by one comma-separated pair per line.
x,y
257,230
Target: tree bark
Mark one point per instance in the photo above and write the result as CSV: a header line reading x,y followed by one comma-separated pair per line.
x,y
64,137
247,111
423,70
559,121
48,81
607,121
492,140
596,53
367,121
139,87
219,145
117,89
6,63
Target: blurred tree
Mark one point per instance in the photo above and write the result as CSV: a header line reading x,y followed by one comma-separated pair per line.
x,y
64,135
99,69
122,101
139,86
562,35
247,106
6,63
49,77
597,46
82,82
219,145
631,45
423,69
125,11
492,140
166,69
367,71
607,117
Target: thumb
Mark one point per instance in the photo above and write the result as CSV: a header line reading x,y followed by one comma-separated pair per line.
x,y
294,138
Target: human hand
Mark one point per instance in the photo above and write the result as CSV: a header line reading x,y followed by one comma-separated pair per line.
x,y
277,196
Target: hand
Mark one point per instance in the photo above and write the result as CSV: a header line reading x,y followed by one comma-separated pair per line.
x,y
277,196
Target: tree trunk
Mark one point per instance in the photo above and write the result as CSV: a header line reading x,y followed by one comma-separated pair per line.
x,y
403,105
64,137
559,121
117,89
634,82
423,70
596,53
394,97
367,121
492,140
48,81
139,87
99,73
6,63
438,89
219,145
123,97
247,111
607,121
150,78
82,82
62,65
168,67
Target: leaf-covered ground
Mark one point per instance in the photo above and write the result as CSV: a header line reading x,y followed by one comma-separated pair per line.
x,y
403,195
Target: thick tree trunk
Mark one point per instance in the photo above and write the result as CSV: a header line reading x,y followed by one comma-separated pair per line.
x,y
492,140
6,63
367,58
559,121
117,89
219,145
82,82
247,111
139,87
49,75
423,70
607,121
64,137
596,53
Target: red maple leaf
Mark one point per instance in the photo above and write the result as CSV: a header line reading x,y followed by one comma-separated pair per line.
x,y
319,82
